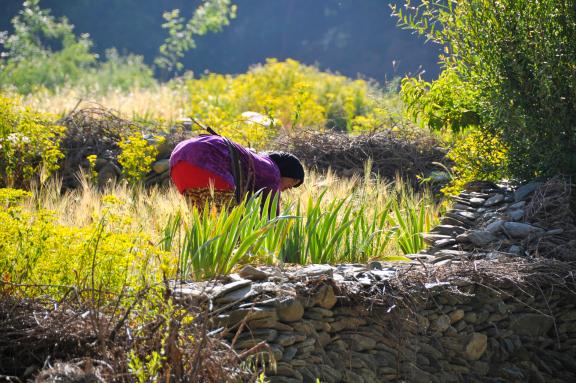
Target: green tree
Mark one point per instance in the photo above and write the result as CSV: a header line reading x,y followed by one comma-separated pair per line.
x,y
519,57
42,51
210,16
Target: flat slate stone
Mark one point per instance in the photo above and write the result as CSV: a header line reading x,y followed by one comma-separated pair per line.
x,y
228,288
312,271
521,230
494,200
524,191
448,230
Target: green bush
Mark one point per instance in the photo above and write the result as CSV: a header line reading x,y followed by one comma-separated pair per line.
x,y
44,52
446,103
518,56
29,144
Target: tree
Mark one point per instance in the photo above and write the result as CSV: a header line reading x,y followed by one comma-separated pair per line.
x,y
519,57
42,51
210,16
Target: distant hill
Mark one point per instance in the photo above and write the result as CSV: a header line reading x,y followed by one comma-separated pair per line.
x,y
352,37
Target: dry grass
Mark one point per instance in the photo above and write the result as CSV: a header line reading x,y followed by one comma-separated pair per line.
x,y
166,102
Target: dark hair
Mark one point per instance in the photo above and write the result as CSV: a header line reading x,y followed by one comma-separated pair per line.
x,y
289,165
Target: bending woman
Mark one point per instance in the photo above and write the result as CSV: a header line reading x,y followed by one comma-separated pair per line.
x,y
215,169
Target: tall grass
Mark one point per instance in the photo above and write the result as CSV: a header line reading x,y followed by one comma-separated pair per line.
x,y
151,234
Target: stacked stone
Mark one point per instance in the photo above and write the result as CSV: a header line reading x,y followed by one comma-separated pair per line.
x,y
487,223
454,331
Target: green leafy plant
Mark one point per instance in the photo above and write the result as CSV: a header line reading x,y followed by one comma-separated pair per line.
x,y
43,51
515,54
137,156
29,144
210,16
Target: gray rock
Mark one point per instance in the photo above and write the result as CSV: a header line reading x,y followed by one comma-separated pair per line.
x,y
252,273
313,271
494,200
524,191
520,230
466,215
517,205
516,215
448,230
476,201
226,289
289,353
477,237
495,226
440,324
430,238
290,310
243,293
532,324
443,243
475,346
454,222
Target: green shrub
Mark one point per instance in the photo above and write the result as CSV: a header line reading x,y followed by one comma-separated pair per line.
x,y
477,155
43,51
117,72
446,103
518,56
137,156
29,144
291,96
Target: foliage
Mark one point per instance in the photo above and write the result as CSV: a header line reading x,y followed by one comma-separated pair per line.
x,y
210,16
137,156
476,155
124,73
100,257
445,103
516,55
29,144
288,96
43,51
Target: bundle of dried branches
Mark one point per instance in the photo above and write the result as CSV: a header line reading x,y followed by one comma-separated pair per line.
x,y
390,153
90,131
74,341
550,207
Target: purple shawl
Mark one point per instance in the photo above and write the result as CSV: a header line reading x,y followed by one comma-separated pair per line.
x,y
211,153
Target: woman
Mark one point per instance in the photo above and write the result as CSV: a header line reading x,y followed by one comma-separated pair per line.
x,y
213,168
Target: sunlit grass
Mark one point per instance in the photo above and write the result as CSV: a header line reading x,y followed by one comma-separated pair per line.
x,y
151,234
162,102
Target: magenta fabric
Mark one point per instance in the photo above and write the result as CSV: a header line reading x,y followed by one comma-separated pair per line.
x,y
210,152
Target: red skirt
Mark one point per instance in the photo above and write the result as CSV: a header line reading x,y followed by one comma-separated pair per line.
x,y
186,176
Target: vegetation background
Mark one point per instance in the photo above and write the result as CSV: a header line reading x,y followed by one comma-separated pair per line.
x,y
351,37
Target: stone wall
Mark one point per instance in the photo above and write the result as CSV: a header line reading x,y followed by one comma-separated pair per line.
x,y
481,327
479,305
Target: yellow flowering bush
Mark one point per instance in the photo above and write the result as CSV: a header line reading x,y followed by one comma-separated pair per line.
x,y
478,155
104,256
137,156
289,96
29,144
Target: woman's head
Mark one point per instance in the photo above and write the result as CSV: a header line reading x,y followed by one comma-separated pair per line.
x,y
291,169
